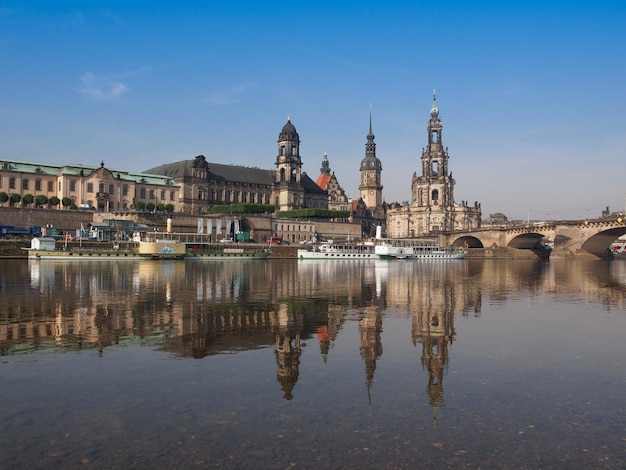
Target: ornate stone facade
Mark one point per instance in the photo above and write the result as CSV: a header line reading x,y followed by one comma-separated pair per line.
x,y
432,208
337,198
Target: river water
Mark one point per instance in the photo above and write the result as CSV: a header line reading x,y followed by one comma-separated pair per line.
x,y
313,364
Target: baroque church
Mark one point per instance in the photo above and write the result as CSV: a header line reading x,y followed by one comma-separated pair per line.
x,y
432,208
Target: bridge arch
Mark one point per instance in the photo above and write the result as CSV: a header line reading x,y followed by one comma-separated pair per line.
x,y
526,241
600,243
468,241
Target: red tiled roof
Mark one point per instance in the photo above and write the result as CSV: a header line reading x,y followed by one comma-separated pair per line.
x,y
322,180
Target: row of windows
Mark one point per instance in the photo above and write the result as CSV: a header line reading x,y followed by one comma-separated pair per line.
x,y
90,186
26,184
292,228
224,195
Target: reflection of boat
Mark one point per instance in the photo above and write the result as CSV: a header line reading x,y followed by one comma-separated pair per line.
x,y
619,250
339,251
415,248
45,248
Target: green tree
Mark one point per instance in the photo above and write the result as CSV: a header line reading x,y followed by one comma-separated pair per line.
x,y
150,206
28,199
4,197
169,208
54,201
66,202
140,206
14,198
41,200
160,207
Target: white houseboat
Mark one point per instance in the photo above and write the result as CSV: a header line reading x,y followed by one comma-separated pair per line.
x,y
415,248
339,251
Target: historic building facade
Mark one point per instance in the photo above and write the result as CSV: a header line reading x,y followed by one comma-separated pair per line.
x,y
432,208
87,187
205,184
337,198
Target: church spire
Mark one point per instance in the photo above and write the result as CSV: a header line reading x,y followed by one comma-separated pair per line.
x,y
434,111
370,146
325,165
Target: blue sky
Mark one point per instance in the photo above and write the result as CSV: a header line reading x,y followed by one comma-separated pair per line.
x,y
532,94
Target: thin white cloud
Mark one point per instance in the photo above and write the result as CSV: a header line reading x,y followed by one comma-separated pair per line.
x,y
101,87
229,95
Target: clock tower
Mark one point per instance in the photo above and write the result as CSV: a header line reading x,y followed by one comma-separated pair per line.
x,y
371,189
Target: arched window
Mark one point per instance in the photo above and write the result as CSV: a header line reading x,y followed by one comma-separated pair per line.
x,y
294,174
282,175
435,196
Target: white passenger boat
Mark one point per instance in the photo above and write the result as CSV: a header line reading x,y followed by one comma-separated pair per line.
x,y
339,251
415,248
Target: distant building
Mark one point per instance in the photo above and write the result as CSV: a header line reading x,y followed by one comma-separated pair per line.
x,y
337,198
205,184
87,187
432,208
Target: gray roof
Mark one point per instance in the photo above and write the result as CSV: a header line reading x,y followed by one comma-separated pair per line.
x,y
229,173
217,172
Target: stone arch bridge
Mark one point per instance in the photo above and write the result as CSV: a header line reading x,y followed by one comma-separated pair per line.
x,y
584,238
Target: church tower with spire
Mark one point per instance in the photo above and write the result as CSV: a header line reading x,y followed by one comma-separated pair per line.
x,y
434,189
371,189
432,208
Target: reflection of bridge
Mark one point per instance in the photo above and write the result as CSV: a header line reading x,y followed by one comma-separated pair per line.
x,y
574,237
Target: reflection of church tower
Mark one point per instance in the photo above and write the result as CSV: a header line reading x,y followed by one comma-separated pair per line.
x,y
289,192
370,328
371,188
433,327
288,350
288,359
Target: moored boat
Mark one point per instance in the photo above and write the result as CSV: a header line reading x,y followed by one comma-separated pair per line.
x,y
232,250
339,251
46,248
200,246
416,248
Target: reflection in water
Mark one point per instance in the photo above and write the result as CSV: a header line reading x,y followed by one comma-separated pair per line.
x,y
196,309
200,309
